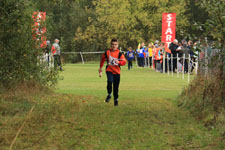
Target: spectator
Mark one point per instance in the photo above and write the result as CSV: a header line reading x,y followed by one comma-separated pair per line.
x,y
158,58
163,52
146,56
153,56
174,50
185,51
56,54
47,52
192,54
137,54
150,49
156,44
167,54
142,55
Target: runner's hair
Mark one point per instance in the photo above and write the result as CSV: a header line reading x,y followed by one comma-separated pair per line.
x,y
114,40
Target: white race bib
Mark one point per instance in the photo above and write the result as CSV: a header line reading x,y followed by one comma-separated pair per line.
x,y
112,61
131,55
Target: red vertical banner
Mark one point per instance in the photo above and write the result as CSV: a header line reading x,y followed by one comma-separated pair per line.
x,y
39,28
168,28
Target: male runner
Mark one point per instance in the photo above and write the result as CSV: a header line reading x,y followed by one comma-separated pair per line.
x,y
115,59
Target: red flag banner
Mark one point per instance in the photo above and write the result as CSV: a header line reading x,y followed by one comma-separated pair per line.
x,y
39,28
168,28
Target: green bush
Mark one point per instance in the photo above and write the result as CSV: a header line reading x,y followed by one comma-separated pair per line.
x,y
204,99
19,56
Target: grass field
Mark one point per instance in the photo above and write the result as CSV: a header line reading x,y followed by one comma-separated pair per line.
x,y
138,83
147,116
76,117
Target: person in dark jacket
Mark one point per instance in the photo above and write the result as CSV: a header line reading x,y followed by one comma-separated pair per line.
x,y
185,51
191,47
174,50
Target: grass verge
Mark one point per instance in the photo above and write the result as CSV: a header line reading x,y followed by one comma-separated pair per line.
x,y
77,117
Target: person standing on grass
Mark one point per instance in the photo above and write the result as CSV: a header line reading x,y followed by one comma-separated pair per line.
x,y
47,52
185,50
114,59
56,54
138,55
130,57
158,58
174,48
150,49
142,54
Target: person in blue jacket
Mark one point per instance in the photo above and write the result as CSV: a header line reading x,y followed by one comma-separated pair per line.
x,y
142,55
146,57
130,57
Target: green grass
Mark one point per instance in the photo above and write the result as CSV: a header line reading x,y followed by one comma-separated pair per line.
x,y
78,118
137,83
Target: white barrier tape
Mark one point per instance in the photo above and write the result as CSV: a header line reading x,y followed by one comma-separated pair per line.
x,y
83,52
100,52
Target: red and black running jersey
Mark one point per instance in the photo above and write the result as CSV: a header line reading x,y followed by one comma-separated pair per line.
x,y
111,56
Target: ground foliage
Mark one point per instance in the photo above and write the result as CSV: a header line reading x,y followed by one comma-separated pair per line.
x,y
145,118
205,96
19,57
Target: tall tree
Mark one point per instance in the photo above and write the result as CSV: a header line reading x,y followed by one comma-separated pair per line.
x,y
197,17
64,17
132,21
215,28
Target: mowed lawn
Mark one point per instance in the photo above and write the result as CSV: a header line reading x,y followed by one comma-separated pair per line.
x,y
147,116
136,84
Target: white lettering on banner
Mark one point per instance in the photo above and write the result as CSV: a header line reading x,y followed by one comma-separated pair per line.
x,y
168,43
168,37
168,27
169,17
169,22
169,30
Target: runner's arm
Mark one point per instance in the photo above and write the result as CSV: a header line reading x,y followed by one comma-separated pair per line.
x,y
102,61
122,61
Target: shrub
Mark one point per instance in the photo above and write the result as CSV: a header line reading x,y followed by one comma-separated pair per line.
x,y
19,61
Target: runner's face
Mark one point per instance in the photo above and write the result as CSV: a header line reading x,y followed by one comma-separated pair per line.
x,y
114,45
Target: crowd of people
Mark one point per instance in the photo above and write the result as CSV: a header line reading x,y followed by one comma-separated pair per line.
x,y
175,56
164,58
53,51
161,58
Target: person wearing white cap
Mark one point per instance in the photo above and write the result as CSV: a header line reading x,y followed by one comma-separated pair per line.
x,y
56,54
157,44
